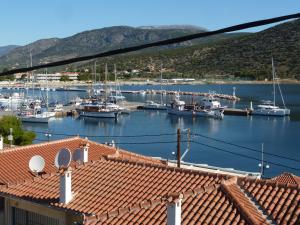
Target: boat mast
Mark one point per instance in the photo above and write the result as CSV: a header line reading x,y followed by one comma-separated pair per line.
x,y
105,86
47,94
116,87
31,73
161,92
273,74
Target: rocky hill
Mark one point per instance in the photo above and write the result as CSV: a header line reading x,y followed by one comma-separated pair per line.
x,y
246,56
95,41
6,49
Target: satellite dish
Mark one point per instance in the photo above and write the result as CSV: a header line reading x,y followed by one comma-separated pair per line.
x,y
77,155
36,164
63,158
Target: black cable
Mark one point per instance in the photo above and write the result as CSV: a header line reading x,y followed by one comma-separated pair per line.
x,y
134,143
156,44
246,156
244,147
101,136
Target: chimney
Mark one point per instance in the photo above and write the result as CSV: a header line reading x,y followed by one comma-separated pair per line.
x,y
85,152
65,189
174,210
1,142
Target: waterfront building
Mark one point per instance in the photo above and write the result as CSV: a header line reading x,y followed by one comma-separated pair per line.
x,y
113,186
55,76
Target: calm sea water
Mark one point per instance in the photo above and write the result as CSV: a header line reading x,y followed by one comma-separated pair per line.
x,y
280,135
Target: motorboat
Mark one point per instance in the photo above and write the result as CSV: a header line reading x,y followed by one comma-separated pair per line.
x,y
154,106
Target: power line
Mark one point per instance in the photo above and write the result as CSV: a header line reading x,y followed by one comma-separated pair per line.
x,y
156,44
104,136
246,156
247,148
131,143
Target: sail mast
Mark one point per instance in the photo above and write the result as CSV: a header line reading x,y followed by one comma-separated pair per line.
x,y
161,92
105,85
273,74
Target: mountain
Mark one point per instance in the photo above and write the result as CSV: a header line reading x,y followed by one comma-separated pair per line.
x,y
245,56
6,49
95,41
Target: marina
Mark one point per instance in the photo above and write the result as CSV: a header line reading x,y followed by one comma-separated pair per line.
x,y
247,130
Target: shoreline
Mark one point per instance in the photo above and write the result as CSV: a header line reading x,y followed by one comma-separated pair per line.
x,y
142,82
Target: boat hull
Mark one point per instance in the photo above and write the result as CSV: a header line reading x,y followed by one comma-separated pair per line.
x,y
180,112
271,112
217,114
35,119
113,114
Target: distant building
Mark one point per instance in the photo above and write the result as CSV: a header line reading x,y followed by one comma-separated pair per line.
x,y
55,76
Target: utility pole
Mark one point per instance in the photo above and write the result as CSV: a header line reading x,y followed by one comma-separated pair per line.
x,y
178,148
10,137
262,165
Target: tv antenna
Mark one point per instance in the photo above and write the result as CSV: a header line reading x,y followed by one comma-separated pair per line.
x,y
63,158
36,164
77,155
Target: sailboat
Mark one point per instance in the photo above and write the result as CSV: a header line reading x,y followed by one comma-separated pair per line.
x,y
269,108
35,114
154,105
100,109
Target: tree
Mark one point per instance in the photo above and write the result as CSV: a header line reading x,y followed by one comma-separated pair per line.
x,y
20,136
64,78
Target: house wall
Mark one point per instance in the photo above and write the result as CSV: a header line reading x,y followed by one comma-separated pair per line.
x,y
61,217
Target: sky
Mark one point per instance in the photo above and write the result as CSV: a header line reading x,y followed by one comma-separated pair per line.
x,y
23,22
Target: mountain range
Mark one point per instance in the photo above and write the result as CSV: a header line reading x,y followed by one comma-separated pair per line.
x,y
95,41
239,54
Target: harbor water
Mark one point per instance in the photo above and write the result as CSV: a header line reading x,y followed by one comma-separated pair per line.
x,y
153,133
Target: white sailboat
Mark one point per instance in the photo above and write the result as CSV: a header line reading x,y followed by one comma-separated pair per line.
x,y
269,108
154,105
35,114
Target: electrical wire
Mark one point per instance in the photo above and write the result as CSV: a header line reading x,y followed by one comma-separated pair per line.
x,y
156,44
247,148
102,136
246,156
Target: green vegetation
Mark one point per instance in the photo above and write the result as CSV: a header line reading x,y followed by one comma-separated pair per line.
x,y
64,78
20,137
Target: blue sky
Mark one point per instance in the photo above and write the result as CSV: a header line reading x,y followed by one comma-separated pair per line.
x,y
23,22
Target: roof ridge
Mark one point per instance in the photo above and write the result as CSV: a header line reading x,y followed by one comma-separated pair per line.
x,y
122,150
148,204
166,167
293,177
271,182
246,207
19,148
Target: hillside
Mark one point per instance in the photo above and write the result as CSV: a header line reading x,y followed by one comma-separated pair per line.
x,y
99,40
247,56
6,49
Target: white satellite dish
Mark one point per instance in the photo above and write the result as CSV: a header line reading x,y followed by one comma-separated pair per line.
x,y
63,158
77,155
36,164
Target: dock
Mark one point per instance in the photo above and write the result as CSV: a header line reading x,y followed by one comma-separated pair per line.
x,y
236,112
164,92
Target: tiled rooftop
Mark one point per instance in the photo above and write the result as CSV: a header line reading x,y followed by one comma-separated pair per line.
x,y
114,191
287,178
14,161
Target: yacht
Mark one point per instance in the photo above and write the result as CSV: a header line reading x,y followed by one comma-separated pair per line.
x,y
269,108
155,106
177,107
99,111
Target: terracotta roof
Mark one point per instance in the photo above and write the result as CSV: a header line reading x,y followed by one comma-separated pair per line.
x,y
113,184
114,191
280,201
287,178
17,169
